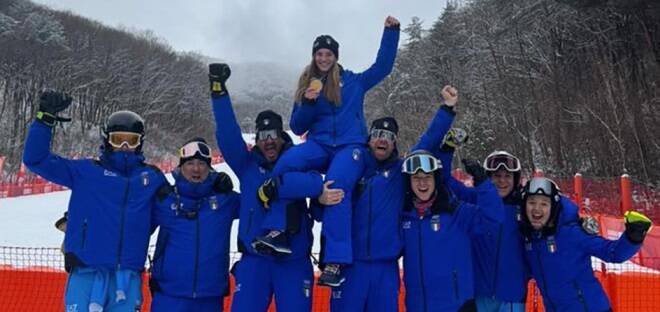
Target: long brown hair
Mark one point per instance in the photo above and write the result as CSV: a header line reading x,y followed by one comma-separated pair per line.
x,y
331,87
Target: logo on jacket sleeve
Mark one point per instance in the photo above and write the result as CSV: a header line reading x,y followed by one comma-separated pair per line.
x,y
109,173
213,202
307,288
336,294
145,178
435,223
356,154
406,225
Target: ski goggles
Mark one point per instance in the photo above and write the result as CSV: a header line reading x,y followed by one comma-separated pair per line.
x,y
120,138
424,162
192,148
268,134
542,186
509,162
382,134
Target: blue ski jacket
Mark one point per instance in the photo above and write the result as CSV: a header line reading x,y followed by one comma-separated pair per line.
x,y
437,260
561,265
192,252
499,268
109,214
252,170
380,196
336,125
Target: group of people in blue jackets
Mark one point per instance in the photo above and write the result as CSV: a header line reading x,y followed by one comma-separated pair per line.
x,y
462,248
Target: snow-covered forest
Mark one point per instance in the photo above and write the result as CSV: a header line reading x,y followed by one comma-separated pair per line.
x,y
568,85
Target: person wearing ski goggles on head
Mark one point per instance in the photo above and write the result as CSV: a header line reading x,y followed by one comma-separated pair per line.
x,y
436,227
190,267
329,106
559,255
109,213
262,275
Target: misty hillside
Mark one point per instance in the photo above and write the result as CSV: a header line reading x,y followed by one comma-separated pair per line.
x,y
107,69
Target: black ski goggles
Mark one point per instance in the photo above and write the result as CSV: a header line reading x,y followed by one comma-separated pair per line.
x,y
541,186
192,148
382,134
424,162
268,134
508,162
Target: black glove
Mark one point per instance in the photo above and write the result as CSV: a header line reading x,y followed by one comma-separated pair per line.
x,y
218,75
267,192
50,104
222,183
474,168
637,225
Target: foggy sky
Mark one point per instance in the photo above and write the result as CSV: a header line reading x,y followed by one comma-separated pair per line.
x,y
279,31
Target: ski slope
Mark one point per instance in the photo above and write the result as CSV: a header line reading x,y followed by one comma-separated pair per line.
x,y
28,221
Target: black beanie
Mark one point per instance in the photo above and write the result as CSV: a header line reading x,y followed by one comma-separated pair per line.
x,y
386,123
269,120
197,155
326,42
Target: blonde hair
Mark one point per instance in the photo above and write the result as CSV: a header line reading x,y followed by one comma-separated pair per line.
x,y
331,87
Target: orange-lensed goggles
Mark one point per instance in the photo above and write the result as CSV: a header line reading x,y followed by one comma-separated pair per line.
x,y
120,138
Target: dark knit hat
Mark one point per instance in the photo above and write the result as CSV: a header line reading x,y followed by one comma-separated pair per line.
x,y
326,42
204,148
386,123
269,120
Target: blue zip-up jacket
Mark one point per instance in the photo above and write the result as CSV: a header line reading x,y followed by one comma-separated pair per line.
x,y
335,125
437,263
377,208
192,252
561,266
499,268
109,214
252,170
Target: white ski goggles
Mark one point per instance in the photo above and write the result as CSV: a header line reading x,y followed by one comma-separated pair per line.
x,y
192,148
508,161
424,162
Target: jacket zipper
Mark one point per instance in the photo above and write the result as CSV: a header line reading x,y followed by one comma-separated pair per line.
x,y
84,234
421,263
545,285
334,127
497,261
455,279
121,224
194,294
369,226
580,296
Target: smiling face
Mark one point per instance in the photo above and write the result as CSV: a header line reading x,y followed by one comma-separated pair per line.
x,y
538,208
195,170
381,148
503,181
423,185
270,148
324,60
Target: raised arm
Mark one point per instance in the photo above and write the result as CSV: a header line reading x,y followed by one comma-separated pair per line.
x,y
444,117
37,155
227,131
637,226
386,55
